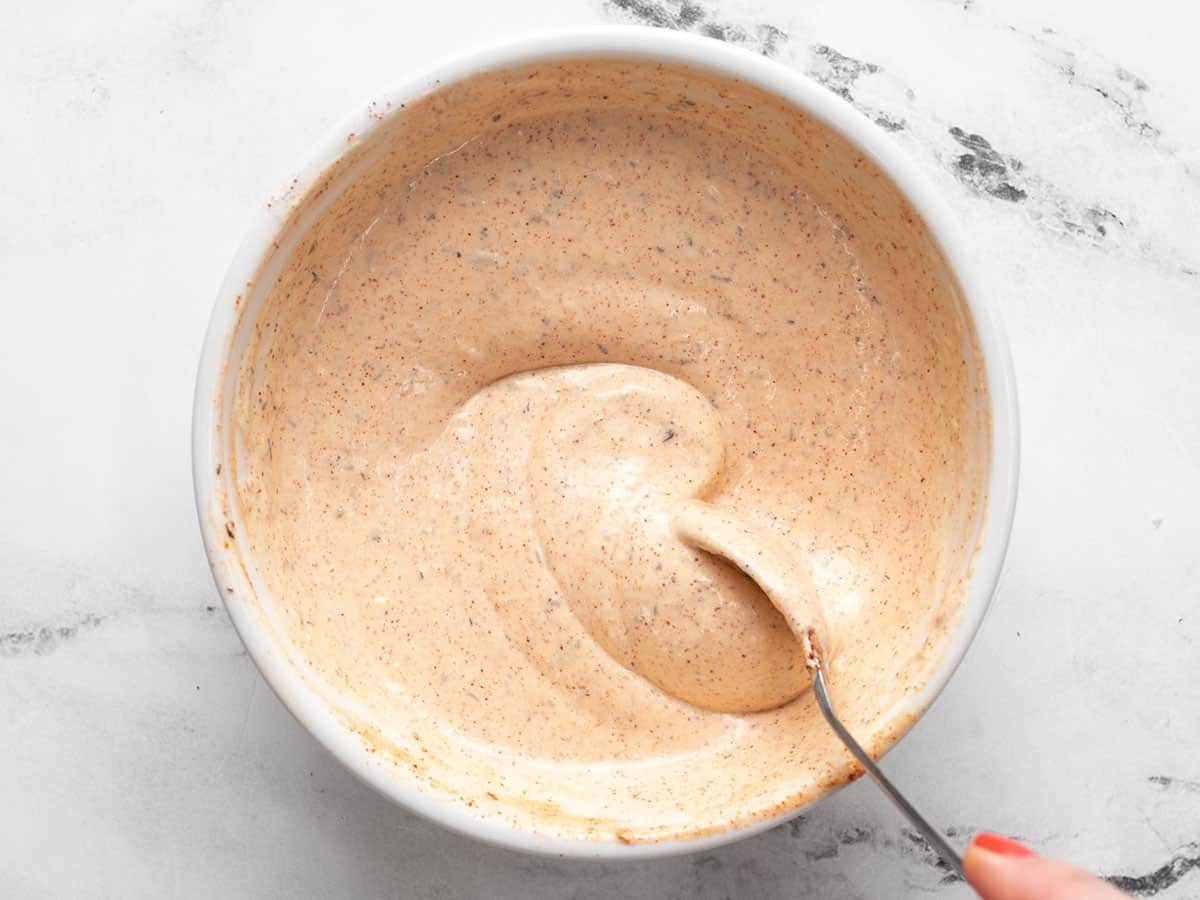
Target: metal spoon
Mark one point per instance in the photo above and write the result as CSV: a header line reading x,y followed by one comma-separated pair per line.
x,y
774,567
814,660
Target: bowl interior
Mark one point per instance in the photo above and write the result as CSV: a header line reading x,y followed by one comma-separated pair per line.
x,y
890,223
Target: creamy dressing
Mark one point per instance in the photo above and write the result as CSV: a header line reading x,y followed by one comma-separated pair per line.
x,y
581,332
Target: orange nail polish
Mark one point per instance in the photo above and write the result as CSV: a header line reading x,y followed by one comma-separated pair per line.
x,y
1001,846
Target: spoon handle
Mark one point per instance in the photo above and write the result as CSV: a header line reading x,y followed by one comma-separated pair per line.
x,y
940,845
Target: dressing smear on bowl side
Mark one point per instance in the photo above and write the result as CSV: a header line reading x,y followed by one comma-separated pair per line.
x,y
557,308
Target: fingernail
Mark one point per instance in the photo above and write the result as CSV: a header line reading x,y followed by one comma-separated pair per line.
x,y
1001,846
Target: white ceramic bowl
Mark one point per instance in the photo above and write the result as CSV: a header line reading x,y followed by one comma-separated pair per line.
x,y
246,285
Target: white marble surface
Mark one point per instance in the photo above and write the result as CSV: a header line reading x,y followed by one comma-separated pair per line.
x,y
141,754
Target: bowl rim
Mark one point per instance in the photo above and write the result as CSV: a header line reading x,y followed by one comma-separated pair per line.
x,y
609,41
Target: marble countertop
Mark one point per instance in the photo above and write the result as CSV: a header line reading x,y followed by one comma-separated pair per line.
x,y
142,755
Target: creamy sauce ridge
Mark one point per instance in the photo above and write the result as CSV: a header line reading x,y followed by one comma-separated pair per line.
x,y
496,375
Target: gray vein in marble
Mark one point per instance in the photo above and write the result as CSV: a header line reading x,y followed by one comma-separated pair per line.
x,y
1119,88
687,15
1122,93
837,71
1169,783
45,639
1164,877
983,169
86,600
